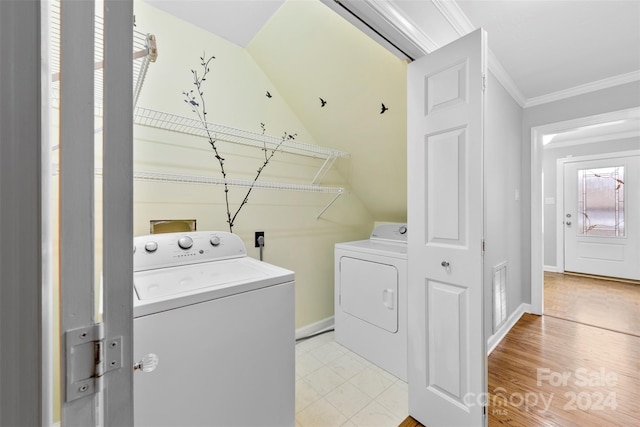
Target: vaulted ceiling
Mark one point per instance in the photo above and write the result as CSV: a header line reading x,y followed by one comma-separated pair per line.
x,y
543,50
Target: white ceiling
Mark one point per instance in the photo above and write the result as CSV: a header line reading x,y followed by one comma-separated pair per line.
x,y
551,46
545,46
237,21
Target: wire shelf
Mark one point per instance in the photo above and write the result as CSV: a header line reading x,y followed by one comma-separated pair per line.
x,y
190,126
144,52
207,180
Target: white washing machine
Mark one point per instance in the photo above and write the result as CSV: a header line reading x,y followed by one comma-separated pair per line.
x,y
222,327
371,297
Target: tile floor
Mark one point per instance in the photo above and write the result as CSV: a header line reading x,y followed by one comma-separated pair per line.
x,y
335,387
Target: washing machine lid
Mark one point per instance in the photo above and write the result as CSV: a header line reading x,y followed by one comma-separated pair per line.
x,y
173,287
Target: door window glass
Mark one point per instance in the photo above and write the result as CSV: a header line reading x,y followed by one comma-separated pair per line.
x,y
601,202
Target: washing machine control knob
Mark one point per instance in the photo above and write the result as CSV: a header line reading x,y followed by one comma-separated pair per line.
x,y
151,246
403,229
185,242
215,240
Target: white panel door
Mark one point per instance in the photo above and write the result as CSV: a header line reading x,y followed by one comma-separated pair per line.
x,y
602,217
447,358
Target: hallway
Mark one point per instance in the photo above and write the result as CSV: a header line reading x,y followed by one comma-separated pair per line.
x,y
575,366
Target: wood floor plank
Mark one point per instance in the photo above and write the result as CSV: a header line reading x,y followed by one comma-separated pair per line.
x,y
604,303
410,422
601,369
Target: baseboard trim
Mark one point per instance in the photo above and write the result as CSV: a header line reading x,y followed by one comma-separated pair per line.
x,y
550,268
496,338
316,327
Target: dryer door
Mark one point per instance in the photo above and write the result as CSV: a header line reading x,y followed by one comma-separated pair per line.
x,y
369,291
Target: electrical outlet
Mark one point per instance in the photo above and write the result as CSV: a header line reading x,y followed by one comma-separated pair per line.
x,y
259,234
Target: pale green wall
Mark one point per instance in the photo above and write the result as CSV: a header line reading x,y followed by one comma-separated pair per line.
x,y
235,94
308,51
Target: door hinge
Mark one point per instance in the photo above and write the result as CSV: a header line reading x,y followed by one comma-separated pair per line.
x,y
483,246
484,82
88,358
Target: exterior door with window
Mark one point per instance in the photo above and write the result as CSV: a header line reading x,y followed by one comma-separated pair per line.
x,y
602,217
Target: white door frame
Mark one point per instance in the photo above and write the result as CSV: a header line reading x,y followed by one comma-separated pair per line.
x,y
560,163
96,393
25,297
537,203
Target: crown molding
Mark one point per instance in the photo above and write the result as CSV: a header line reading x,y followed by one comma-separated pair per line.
x,y
505,79
454,16
462,25
451,11
585,88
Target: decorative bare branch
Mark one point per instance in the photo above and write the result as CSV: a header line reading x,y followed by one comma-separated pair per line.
x,y
197,103
267,158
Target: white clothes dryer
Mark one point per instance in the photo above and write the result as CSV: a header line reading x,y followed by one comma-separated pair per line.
x,y
371,297
222,327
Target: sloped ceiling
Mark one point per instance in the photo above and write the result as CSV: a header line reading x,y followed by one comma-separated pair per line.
x,y
309,52
233,20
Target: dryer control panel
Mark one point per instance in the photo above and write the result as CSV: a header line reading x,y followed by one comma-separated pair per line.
x,y
390,232
174,249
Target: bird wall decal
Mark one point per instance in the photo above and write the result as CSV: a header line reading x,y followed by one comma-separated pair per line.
x,y
268,94
322,102
383,109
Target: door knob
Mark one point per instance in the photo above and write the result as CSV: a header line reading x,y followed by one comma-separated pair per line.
x,y
445,264
148,363
568,222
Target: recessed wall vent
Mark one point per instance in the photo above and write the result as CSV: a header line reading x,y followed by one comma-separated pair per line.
x,y
499,295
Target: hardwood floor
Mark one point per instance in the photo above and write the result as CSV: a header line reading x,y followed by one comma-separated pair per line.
x,y
554,372
597,302
570,367
410,422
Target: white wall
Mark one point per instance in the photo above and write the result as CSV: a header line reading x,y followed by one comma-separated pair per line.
x,y
602,101
549,169
503,146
